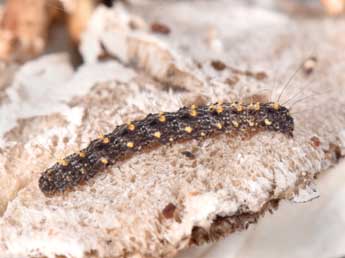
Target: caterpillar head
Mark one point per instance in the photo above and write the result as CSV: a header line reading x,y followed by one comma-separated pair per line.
x,y
277,118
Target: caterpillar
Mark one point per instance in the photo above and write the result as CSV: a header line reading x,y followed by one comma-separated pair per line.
x,y
194,122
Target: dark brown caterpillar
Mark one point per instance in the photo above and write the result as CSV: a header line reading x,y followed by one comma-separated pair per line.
x,y
195,122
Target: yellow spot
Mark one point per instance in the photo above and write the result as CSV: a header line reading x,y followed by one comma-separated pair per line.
x,y
106,140
267,122
211,107
251,123
202,134
104,161
239,107
171,139
257,106
219,109
63,162
193,113
157,135
131,127
162,117
193,106
188,129
130,144
219,125
276,105
235,123
82,154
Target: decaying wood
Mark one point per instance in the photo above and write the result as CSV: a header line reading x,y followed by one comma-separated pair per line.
x,y
163,201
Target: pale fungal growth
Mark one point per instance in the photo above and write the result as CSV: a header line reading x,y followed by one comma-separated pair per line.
x,y
170,178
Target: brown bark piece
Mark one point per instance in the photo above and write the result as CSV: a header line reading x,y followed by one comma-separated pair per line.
x,y
24,28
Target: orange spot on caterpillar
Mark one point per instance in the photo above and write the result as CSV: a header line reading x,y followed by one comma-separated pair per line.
x,y
130,144
193,113
267,122
162,117
104,161
82,154
251,123
131,127
63,162
239,107
188,129
104,139
276,105
157,135
235,123
219,109
257,106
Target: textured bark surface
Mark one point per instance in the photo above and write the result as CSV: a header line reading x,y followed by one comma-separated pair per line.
x,y
160,202
24,27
